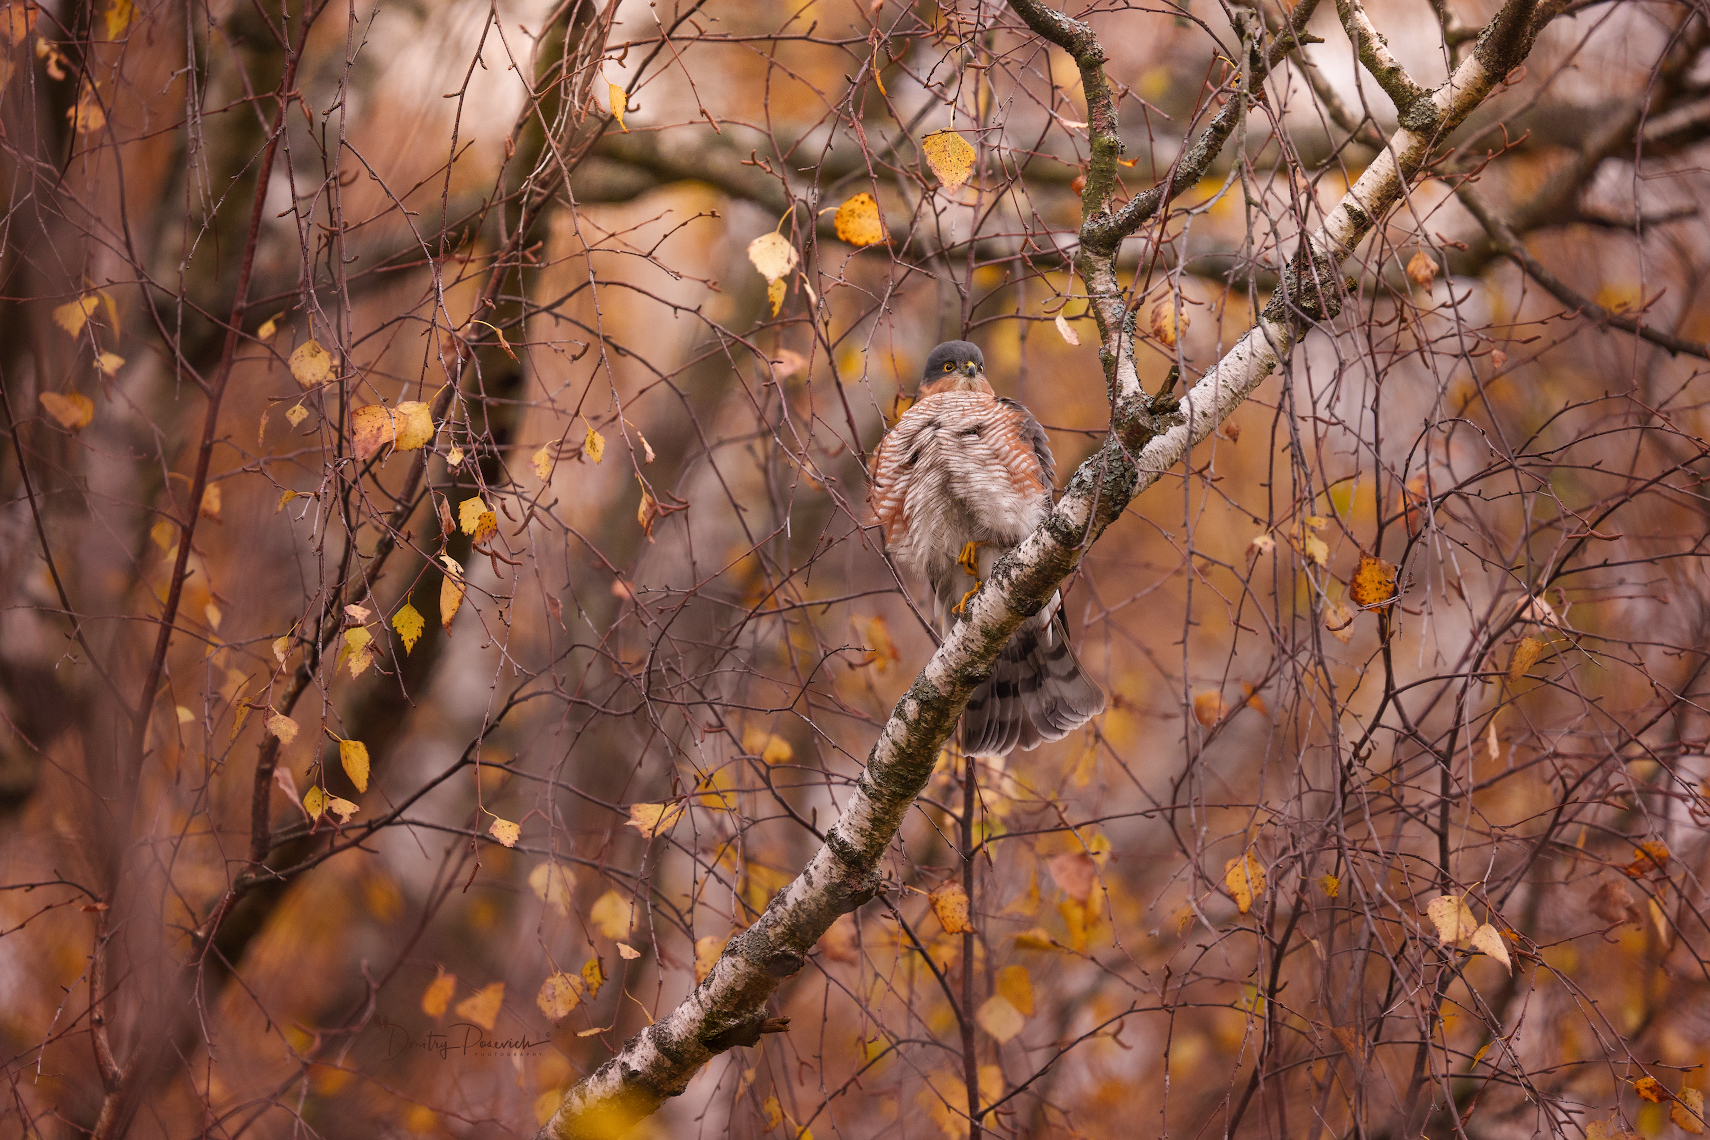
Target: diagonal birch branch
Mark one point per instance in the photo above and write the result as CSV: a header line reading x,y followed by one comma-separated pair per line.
x,y
729,1007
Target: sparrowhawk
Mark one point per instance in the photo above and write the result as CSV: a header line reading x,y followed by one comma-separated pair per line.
x,y
963,477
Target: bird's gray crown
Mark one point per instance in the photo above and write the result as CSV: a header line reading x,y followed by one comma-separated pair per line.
x,y
956,353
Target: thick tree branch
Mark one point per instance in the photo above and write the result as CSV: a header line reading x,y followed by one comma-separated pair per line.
x,y
1505,241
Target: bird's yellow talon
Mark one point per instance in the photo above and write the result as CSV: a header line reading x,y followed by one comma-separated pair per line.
x,y
963,604
969,560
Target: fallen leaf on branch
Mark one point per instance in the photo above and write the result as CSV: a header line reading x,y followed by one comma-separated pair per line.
x,y
651,819
1245,878
74,411
951,157
773,255
950,904
859,222
311,364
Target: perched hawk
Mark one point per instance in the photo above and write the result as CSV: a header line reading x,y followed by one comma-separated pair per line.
x,y
961,479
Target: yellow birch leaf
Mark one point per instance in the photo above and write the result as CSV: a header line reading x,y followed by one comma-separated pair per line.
x,y
18,21
1167,325
311,364
482,1006
1245,878
707,951
1208,707
627,952
1649,1088
1263,544
950,156
1688,1111
881,650
559,994
1525,655
88,115
769,746
1034,939
296,414
469,513
450,590
1422,268
542,463
950,904
594,445
772,1112
213,501
552,882
1075,917
413,427
651,819
1315,549
74,411
214,616
454,457
353,757
647,512
1066,331
342,808
281,648
619,103
998,1017
1331,886
859,222
593,976
1492,746
315,803
1452,917
185,716
772,254
1339,621
504,831
438,994
269,328
1487,940
1374,582
409,624
109,363
355,655
612,914
72,315
283,727
775,291
118,18
647,455
1016,985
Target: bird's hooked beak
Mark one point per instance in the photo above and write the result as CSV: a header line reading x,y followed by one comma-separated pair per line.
x,y
971,369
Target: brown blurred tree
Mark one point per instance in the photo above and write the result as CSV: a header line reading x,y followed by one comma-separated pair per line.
x,y
451,683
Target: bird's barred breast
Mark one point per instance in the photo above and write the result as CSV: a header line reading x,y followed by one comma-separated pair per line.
x,y
958,467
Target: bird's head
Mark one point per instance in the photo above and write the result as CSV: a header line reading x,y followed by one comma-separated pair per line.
x,y
954,366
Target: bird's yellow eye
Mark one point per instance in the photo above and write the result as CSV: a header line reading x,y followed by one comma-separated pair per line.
x,y
949,367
